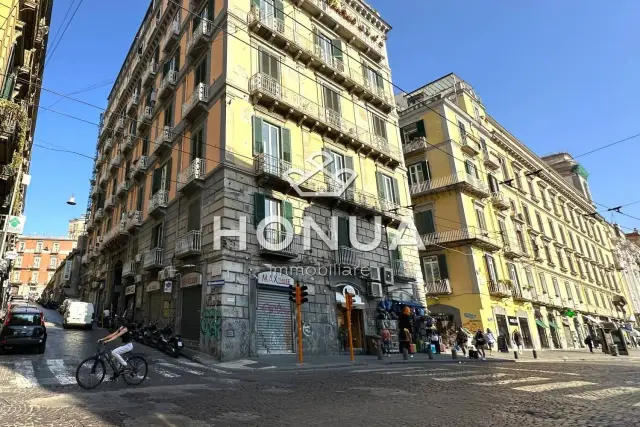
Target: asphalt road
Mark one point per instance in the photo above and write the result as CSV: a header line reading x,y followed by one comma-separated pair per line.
x,y
41,391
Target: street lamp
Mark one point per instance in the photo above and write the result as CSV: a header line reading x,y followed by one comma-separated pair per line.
x,y
71,201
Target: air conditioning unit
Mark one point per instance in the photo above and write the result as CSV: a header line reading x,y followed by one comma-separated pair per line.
x,y
138,258
169,272
138,278
375,289
387,276
375,274
161,275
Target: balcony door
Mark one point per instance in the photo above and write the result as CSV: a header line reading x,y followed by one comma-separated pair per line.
x,y
273,231
325,48
157,234
419,173
271,146
332,106
197,145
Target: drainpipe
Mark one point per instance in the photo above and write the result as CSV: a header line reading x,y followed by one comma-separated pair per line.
x,y
16,187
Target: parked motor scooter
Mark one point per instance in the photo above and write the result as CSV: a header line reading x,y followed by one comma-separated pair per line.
x,y
169,343
149,336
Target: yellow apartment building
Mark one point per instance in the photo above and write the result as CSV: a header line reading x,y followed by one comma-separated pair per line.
x,y
511,239
227,113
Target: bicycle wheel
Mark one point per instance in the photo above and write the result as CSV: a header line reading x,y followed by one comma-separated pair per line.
x,y
90,373
137,371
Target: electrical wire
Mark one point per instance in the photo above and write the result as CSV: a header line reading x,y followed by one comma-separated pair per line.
x,y
54,39
53,51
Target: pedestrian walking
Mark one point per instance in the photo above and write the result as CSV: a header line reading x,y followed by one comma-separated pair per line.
x,y
589,342
405,325
386,342
435,341
480,341
461,341
491,340
517,338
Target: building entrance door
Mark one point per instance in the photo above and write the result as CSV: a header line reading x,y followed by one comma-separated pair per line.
x,y
526,333
542,333
503,329
567,335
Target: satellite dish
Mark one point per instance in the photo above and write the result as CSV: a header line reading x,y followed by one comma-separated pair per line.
x,y
71,201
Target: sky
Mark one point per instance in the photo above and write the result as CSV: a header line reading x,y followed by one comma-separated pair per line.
x,y
560,76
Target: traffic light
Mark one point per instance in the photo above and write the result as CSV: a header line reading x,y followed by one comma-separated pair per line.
x,y
293,293
304,294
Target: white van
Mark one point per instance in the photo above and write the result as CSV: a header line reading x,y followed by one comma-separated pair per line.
x,y
78,313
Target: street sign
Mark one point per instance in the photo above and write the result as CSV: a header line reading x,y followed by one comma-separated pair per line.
x,y
11,255
15,224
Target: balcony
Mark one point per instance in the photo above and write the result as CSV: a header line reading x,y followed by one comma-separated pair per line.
x,y
152,260
98,216
269,92
6,172
348,257
272,169
102,182
123,188
127,144
301,46
129,269
108,145
460,180
361,36
114,164
114,237
491,161
144,120
415,145
171,38
403,271
168,84
134,221
439,287
280,244
140,167
197,102
132,105
200,38
512,251
158,203
499,289
89,225
192,177
109,203
469,146
499,201
85,259
465,236
520,294
189,245
119,127
149,75
162,143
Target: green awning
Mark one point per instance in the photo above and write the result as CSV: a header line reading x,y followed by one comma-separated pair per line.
x,y
540,323
553,325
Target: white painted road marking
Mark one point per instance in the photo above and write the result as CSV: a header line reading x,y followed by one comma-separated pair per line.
x,y
59,370
605,393
537,371
433,374
180,368
25,375
512,381
163,372
470,377
552,386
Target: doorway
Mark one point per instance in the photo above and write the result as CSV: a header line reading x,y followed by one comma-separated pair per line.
x,y
567,335
544,340
554,333
357,330
503,329
191,309
526,333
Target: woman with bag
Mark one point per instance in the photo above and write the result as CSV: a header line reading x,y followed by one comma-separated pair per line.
x,y
480,342
490,339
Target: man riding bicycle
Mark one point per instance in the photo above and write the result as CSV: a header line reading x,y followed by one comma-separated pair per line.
x,y
127,346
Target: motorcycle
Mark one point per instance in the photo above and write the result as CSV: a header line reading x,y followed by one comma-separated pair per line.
x,y
149,337
169,343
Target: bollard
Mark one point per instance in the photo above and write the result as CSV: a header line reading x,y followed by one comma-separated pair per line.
x,y
405,354
515,354
454,353
535,354
379,351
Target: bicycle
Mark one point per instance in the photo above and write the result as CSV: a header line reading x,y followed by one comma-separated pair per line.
x,y
137,367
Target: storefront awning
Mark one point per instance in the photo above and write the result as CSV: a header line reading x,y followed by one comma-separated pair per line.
x,y
553,325
409,304
541,323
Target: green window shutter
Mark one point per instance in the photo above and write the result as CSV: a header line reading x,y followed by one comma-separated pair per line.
x,y
343,232
396,191
420,128
257,135
442,266
279,10
380,183
348,164
177,62
426,173
167,184
287,207
379,81
402,136
9,83
428,222
286,145
336,49
256,3
419,220
258,208
491,183
156,181
210,6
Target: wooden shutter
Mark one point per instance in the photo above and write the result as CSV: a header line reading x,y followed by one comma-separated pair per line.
x,y
177,61
396,191
442,266
210,10
491,183
348,164
491,268
418,218
258,146
380,183
343,232
428,221
156,181
258,208
288,211
279,10
286,145
336,49
420,128
167,184
426,173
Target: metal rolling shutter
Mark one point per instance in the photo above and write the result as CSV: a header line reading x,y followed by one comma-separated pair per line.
x,y
155,306
273,321
191,306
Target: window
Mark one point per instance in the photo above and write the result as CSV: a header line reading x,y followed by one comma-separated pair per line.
x,y
552,229
56,247
419,172
379,126
587,295
39,247
556,286
18,262
463,131
505,169
54,262
197,145
521,243
595,298
570,262
560,260
49,276
476,112
114,185
332,105
168,114
34,277
548,254
543,194
482,223
543,283
503,231
424,222
140,199
145,144
536,250
532,189
513,275
172,64
471,169
491,269
373,79
516,173
337,164
36,262
21,247
527,217
157,236
200,73
413,131
16,276
540,223
571,241
269,65
568,289
561,233
530,281
431,269
388,188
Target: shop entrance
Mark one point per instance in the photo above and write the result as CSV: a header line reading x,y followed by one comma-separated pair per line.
x,y
155,306
503,329
274,322
554,333
357,329
567,334
581,338
191,308
526,333
542,333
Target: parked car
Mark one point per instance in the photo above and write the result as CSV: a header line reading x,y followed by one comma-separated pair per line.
x,y
78,313
23,327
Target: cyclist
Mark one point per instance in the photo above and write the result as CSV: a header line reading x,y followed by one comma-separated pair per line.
x,y
127,346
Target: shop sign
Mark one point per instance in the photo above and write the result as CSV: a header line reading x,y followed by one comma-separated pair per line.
x,y
168,285
274,278
15,224
11,255
153,286
191,279
513,321
470,316
130,290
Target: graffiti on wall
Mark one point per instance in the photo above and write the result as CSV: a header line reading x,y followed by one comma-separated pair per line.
x,y
210,322
275,327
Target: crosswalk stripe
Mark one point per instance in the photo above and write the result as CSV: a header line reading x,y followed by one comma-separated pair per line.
x,y
415,370
164,372
197,365
552,386
536,371
605,393
470,377
433,374
512,381
59,370
181,368
25,375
